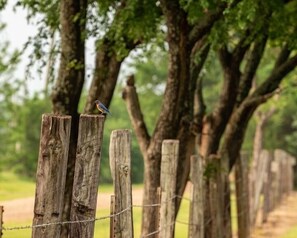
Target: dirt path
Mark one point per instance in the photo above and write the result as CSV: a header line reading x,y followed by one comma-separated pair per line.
x,y
22,209
280,220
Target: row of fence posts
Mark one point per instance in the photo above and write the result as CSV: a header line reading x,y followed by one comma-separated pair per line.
x,y
260,188
50,186
51,175
272,179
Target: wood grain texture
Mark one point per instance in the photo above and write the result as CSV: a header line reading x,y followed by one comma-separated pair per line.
x,y
86,176
120,165
170,151
51,174
196,218
1,220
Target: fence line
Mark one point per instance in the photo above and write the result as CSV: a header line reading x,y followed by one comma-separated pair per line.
x,y
123,211
54,139
89,220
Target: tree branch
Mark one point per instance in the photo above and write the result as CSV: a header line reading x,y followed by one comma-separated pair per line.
x,y
283,56
225,57
223,110
199,105
241,48
205,24
276,76
253,61
107,64
131,98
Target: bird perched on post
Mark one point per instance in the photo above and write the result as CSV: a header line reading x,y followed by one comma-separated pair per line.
x,y
102,108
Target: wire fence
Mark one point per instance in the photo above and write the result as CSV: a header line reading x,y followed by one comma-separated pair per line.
x,y
213,207
26,227
177,221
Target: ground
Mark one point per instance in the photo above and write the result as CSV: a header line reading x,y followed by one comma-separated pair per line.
x,y
279,221
22,209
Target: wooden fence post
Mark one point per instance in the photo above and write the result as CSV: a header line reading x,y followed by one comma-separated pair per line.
x,y
274,183
292,163
1,220
242,196
196,218
260,175
51,174
277,159
266,189
170,150
282,184
287,167
112,218
86,175
120,164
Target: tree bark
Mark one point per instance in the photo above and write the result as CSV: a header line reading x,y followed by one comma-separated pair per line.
x,y
107,67
136,116
67,91
175,108
176,117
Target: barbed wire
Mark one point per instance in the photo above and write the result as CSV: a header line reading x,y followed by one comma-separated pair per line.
x,y
66,222
87,220
205,223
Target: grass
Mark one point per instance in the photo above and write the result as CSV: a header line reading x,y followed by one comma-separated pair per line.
x,y
291,233
25,233
181,230
13,187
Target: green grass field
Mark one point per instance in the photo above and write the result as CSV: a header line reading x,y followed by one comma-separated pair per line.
x,y
291,233
13,187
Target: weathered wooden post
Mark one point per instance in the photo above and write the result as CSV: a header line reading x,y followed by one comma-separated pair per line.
x,y
287,168
196,223
260,175
277,159
282,184
86,175
292,163
170,150
112,216
51,174
274,184
1,220
242,196
120,165
266,189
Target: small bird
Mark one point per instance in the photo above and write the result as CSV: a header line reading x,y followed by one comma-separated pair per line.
x,y
102,108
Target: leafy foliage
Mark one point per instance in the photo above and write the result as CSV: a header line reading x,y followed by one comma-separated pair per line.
x,y
129,21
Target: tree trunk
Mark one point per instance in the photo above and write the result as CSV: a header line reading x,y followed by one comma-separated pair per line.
x,y
174,120
105,76
67,91
176,117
